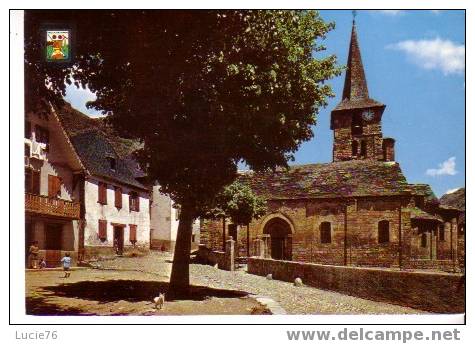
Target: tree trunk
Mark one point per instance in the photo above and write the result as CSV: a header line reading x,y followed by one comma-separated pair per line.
x,y
247,239
180,276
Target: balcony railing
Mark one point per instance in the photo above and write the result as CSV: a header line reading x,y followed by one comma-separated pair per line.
x,y
51,206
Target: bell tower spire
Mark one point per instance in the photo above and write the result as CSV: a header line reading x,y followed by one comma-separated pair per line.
x,y
355,79
356,120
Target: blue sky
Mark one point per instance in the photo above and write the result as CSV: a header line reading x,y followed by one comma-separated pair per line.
x,y
414,63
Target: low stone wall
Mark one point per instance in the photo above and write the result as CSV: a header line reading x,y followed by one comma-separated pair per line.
x,y
207,256
225,260
442,265
437,292
104,252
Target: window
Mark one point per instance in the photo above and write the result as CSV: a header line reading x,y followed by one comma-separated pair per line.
x,y
193,237
424,240
133,234
354,148
441,233
102,230
102,196
325,233
32,181
41,134
112,163
363,149
118,197
134,201
54,186
357,125
383,232
177,213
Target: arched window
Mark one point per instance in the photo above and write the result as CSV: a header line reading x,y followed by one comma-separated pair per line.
x,y
325,233
354,148
424,240
383,231
363,149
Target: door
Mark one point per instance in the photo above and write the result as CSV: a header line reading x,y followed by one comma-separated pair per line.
x,y
119,240
28,239
277,247
53,244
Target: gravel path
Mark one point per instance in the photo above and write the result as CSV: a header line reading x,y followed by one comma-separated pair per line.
x,y
295,300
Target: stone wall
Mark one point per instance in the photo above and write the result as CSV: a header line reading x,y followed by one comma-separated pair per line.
x,y
357,220
434,292
224,259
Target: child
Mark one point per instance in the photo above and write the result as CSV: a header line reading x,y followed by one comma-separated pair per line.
x,y
66,261
42,263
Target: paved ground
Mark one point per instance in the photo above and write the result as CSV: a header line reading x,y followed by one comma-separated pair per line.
x,y
99,292
295,300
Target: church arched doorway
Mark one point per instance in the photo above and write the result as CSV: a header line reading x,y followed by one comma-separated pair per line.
x,y
280,242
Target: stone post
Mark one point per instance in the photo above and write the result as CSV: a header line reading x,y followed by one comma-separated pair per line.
x,y
259,248
229,255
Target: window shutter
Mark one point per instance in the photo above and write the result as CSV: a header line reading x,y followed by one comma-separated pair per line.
x,y
51,186
36,183
99,193
103,229
28,180
57,186
133,233
137,202
118,197
102,193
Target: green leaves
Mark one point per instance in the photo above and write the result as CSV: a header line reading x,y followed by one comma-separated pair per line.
x,y
201,89
238,202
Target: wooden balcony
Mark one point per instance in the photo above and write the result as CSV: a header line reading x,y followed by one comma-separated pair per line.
x,y
51,206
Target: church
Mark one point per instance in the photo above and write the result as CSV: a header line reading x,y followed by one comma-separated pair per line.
x,y
358,210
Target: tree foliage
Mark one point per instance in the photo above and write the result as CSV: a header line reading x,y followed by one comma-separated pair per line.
x,y
202,90
239,203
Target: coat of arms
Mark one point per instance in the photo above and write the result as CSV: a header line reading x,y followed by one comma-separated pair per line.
x,y
57,45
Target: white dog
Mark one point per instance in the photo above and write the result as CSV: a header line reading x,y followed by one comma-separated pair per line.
x,y
159,301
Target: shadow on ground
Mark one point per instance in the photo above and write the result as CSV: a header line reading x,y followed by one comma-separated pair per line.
x,y
134,291
40,306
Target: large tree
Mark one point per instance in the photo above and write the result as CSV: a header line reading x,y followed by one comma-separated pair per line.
x,y
203,90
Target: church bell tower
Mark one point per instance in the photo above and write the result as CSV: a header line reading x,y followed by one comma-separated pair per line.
x,y
356,120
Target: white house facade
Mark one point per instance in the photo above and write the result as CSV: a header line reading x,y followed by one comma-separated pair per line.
x,y
164,220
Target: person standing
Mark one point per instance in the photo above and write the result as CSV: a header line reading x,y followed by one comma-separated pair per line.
x,y
33,253
66,261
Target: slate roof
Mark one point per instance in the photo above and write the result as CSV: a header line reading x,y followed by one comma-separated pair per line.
x,y
424,190
94,141
419,214
94,148
355,90
74,122
338,179
455,199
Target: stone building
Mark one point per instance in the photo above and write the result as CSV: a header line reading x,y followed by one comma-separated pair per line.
x,y
357,210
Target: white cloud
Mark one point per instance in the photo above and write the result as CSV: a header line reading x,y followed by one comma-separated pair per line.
x,y
447,168
436,53
391,12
